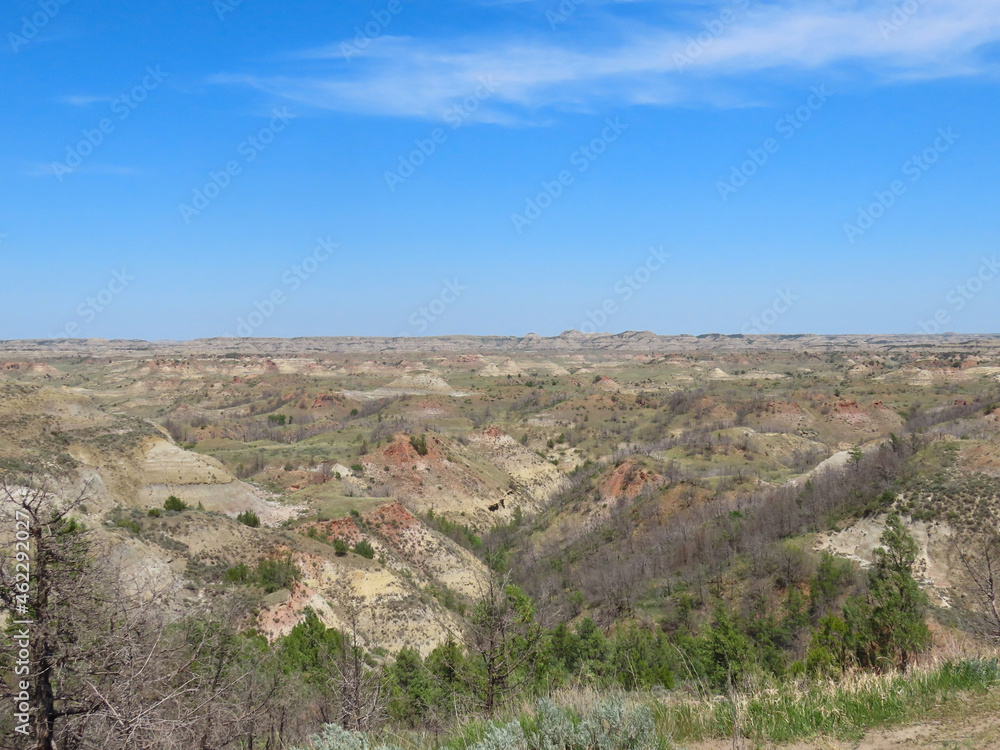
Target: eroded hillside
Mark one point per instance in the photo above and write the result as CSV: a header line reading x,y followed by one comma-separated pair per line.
x,y
611,469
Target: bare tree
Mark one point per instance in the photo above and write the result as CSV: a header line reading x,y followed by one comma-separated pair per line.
x,y
980,558
359,687
111,668
41,583
503,638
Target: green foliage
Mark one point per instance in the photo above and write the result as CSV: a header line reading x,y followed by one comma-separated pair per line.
x,y
464,535
826,584
278,419
270,574
238,574
639,659
728,652
882,630
130,524
447,666
419,444
340,547
249,518
412,689
365,549
277,573
897,623
174,503
153,513
310,648
789,711
854,455
831,644
505,644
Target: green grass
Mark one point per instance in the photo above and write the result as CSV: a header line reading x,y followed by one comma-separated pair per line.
x,y
845,709
328,504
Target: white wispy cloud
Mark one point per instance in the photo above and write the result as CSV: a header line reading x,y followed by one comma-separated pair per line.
x,y
708,55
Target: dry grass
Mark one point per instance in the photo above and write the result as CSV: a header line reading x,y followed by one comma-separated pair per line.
x,y
841,708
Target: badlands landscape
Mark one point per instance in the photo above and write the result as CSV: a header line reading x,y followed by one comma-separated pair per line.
x,y
700,513
648,492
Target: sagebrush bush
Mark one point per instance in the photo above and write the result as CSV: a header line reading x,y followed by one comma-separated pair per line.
x,y
502,737
334,737
610,726
613,727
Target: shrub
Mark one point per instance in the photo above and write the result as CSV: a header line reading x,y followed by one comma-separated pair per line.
x,y
154,512
239,573
249,518
128,523
504,737
334,737
277,573
419,444
365,549
610,726
357,468
271,575
339,547
175,503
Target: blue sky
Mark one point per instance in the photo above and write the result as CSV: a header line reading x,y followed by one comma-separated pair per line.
x,y
194,168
